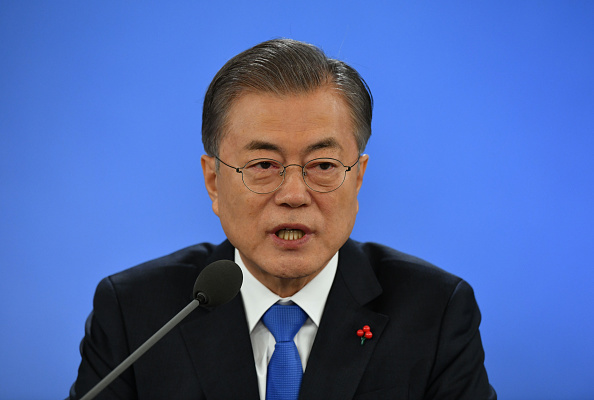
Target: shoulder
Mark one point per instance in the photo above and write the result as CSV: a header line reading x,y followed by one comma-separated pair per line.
x,y
192,258
405,278
166,280
388,261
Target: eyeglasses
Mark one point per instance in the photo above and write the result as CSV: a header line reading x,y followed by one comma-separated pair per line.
x,y
264,175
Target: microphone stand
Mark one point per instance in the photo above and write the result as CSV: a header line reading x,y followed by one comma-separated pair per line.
x,y
141,350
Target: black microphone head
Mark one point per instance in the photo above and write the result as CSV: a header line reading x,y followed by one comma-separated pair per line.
x,y
218,283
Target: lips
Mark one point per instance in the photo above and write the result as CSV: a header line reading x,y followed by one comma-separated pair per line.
x,y
290,234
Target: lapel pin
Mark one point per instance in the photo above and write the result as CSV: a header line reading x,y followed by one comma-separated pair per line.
x,y
364,333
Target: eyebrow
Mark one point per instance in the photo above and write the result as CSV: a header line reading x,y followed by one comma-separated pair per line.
x,y
322,144
261,145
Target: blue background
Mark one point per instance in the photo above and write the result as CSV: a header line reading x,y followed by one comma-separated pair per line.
x,y
480,161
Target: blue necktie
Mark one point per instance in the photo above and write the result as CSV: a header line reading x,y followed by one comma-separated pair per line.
x,y
284,369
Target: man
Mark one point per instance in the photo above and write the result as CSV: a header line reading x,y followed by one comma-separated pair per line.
x,y
284,128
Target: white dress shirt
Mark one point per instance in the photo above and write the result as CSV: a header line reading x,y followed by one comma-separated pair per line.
x,y
257,299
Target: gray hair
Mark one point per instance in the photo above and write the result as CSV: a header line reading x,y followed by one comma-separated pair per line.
x,y
282,67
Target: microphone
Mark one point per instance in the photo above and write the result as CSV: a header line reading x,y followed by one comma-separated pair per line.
x,y
217,284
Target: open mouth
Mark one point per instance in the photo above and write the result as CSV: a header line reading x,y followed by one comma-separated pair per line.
x,y
290,234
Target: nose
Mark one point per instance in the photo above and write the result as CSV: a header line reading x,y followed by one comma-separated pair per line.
x,y
293,192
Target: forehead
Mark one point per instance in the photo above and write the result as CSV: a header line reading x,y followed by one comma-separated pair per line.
x,y
296,122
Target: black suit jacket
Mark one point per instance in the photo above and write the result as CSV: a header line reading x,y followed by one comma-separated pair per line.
x,y
425,345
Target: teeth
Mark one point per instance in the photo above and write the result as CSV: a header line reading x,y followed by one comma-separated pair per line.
x,y
290,234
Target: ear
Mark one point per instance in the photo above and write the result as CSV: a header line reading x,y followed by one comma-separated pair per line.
x,y
210,180
361,170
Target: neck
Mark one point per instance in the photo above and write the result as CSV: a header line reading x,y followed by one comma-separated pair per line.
x,y
283,286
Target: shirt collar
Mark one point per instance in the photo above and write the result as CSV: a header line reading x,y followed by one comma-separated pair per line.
x,y
257,298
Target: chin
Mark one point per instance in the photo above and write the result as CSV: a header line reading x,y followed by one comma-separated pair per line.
x,y
293,270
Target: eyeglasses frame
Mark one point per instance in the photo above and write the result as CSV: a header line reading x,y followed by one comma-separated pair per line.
x,y
283,173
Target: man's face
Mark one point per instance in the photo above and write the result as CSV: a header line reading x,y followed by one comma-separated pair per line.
x,y
291,129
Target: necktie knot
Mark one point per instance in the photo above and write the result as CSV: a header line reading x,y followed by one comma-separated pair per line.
x,y
284,321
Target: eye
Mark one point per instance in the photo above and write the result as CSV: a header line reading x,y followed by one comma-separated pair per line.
x,y
264,164
323,165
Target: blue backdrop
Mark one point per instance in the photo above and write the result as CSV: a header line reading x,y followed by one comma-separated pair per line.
x,y
480,161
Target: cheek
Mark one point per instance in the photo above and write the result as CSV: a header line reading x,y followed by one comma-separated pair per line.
x,y
226,204
340,212
238,208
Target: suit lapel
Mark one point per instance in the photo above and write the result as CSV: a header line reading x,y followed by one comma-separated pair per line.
x,y
338,360
219,345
